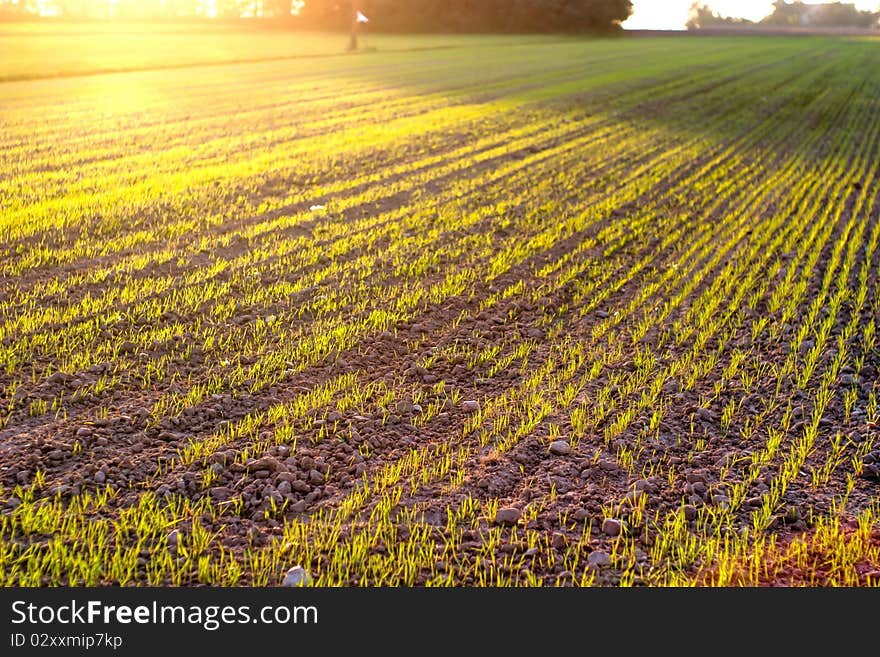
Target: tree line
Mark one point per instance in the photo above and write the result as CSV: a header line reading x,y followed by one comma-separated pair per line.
x,y
472,15
384,15
790,14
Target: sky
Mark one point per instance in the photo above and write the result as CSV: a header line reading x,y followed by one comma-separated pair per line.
x,y
672,14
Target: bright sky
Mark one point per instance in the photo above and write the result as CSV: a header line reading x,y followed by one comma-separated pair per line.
x,y
672,14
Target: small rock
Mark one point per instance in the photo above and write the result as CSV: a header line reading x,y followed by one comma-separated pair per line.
x,y
284,488
508,515
470,406
173,538
100,477
296,576
316,477
704,414
560,448
558,540
611,526
690,512
599,559
56,455
83,432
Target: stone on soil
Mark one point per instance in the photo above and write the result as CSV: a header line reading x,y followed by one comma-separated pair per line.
x,y
296,576
508,516
560,448
611,526
599,559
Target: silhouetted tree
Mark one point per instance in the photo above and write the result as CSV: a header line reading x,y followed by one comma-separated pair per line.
x,y
471,15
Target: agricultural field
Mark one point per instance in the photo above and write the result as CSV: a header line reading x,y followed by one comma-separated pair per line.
x,y
507,312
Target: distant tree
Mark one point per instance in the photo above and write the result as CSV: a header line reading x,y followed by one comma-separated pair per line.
x,y
702,16
331,14
829,14
472,15
838,14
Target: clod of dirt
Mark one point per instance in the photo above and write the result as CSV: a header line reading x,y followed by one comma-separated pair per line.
x,y
558,540
508,516
220,493
871,471
470,406
265,463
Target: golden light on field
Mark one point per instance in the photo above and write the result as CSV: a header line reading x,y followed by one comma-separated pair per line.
x,y
126,95
128,9
47,8
591,312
